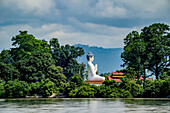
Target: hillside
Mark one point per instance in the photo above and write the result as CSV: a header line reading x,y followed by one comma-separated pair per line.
x,y
108,60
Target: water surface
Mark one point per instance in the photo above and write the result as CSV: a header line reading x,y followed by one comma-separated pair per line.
x,y
94,105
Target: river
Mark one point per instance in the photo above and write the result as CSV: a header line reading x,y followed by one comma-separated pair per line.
x,y
93,105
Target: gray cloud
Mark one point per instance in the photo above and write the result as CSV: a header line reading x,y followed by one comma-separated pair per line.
x,y
93,22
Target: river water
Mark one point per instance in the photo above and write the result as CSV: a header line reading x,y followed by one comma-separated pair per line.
x,y
93,105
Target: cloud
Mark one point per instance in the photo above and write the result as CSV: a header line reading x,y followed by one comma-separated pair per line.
x,y
92,11
92,34
146,8
35,7
108,9
115,8
92,22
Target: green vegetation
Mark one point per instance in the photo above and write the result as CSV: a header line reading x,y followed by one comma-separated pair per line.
x,y
35,67
148,50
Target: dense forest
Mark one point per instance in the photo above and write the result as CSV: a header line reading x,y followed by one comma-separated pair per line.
x,y
36,67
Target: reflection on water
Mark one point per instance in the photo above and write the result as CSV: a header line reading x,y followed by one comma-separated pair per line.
x,y
84,105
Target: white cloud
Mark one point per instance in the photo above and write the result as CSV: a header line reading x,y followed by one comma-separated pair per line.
x,y
95,35
74,21
36,7
62,9
116,8
107,8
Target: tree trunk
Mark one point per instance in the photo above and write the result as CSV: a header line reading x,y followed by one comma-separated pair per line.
x,y
144,77
157,73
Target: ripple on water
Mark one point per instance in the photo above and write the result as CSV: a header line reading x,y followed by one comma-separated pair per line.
x,y
83,106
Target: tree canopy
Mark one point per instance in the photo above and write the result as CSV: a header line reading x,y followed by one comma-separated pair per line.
x,y
33,60
37,68
148,50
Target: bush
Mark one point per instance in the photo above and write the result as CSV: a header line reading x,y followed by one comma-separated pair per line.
x,y
157,89
77,79
136,90
47,88
35,88
120,93
111,83
68,87
2,89
83,92
55,74
110,92
165,89
16,89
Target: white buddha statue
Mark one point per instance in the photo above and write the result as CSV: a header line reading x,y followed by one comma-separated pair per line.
x,y
92,69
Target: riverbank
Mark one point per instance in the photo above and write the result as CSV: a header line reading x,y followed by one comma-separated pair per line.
x,y
3,99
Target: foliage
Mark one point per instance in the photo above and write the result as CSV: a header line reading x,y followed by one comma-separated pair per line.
x,y
68,87
82,72
6,57
134,54
26,44
8,72
132,86
110,83
148,50
157,40
55,74
113,92
35,88
34,68
47,88
65,56
77,80
136,90
106,75
129,72
157,89
2,89
16,89
84,91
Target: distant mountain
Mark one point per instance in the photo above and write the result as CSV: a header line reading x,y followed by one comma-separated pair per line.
x,y
108,60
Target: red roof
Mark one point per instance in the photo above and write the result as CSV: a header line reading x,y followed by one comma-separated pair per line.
x,y
118,76
141,78
117,80
109,77
117,73
149,79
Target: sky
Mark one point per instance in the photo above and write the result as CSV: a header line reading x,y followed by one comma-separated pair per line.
x,y
102,23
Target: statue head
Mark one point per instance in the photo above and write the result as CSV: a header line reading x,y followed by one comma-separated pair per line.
x,y
90,57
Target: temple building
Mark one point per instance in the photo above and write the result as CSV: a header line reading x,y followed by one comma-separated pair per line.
x,y
116,76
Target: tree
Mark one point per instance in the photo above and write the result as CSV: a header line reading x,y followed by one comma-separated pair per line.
x,y
149,50
134,54
157,41
7,69
26,44
77,80
8,72
35,68
6,57
82,72
47,87
55,74
65,56
16,89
